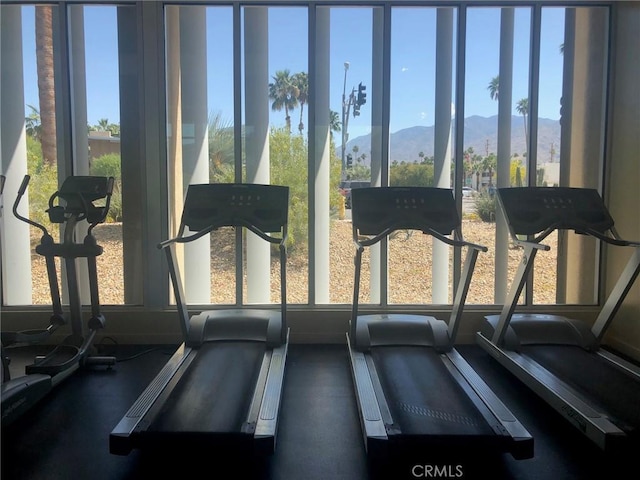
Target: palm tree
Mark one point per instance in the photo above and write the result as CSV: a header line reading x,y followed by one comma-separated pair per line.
x,y
46,84
301,83
475,166
494,87
284,94
221,148
489,164
334,122
103,124
32,123
522,107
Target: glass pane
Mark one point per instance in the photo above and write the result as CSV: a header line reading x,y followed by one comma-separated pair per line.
x,y
495,145
421,125
202,139
200,129
95,147
480,143
276,150
351,64
94,59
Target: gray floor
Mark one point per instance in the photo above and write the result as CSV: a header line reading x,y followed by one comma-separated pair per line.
x,y
319,437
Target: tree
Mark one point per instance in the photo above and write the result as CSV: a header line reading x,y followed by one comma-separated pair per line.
x,y
522,107
221,149
103,125
411,175
516,172
284,94
32,123
494,88
46,84
489,164
301,83
334,122
474,161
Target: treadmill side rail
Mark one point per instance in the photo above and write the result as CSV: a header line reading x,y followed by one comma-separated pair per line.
x,y
620,363
267,420
370,416
560,396
120,441
523,444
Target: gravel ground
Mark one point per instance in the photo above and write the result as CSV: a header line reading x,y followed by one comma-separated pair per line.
x,y
409,271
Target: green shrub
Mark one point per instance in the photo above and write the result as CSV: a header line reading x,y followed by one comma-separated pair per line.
x,y
110,166
486,207
42,185
411,175
288,154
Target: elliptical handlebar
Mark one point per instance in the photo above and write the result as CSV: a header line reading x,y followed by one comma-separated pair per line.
x,y
21,192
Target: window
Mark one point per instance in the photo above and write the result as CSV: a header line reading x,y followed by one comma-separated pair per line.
x,y
41,144
319,97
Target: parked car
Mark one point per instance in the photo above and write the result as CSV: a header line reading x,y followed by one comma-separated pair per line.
x,y
468,192
347,185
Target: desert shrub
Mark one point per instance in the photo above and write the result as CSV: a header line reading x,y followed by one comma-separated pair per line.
x,y
486,207
411,175
43,183
110,166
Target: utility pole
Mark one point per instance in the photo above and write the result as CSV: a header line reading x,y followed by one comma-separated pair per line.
x,y
345,117
347,102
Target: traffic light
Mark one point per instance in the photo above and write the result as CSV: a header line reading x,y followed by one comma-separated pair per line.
x,y
362,96
349,160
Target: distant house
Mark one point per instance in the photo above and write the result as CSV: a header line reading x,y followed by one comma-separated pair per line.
x,y
102,143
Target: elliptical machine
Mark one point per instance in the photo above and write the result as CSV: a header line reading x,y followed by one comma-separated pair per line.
x,y
75,203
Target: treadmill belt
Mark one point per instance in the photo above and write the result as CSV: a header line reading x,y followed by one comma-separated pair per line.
x,y
214,393
607,388
423,396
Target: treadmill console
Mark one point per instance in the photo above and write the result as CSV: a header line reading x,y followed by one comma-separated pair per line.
x,y
376,209
216,205
530,210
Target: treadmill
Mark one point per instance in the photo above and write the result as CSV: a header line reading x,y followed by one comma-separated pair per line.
x,y
561,359
222,388
415,392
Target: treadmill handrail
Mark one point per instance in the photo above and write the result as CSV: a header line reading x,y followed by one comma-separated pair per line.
x,y
414,220
174,271
607,233
535,240
211,228
454,242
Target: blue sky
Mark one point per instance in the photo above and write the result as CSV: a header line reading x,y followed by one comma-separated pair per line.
x,y
412,60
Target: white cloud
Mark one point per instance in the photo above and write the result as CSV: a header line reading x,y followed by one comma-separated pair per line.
x,y
404,69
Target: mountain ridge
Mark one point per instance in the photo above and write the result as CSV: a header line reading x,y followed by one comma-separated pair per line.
x,y
481,133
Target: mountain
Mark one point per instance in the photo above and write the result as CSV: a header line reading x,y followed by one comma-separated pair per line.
x,y
481,133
